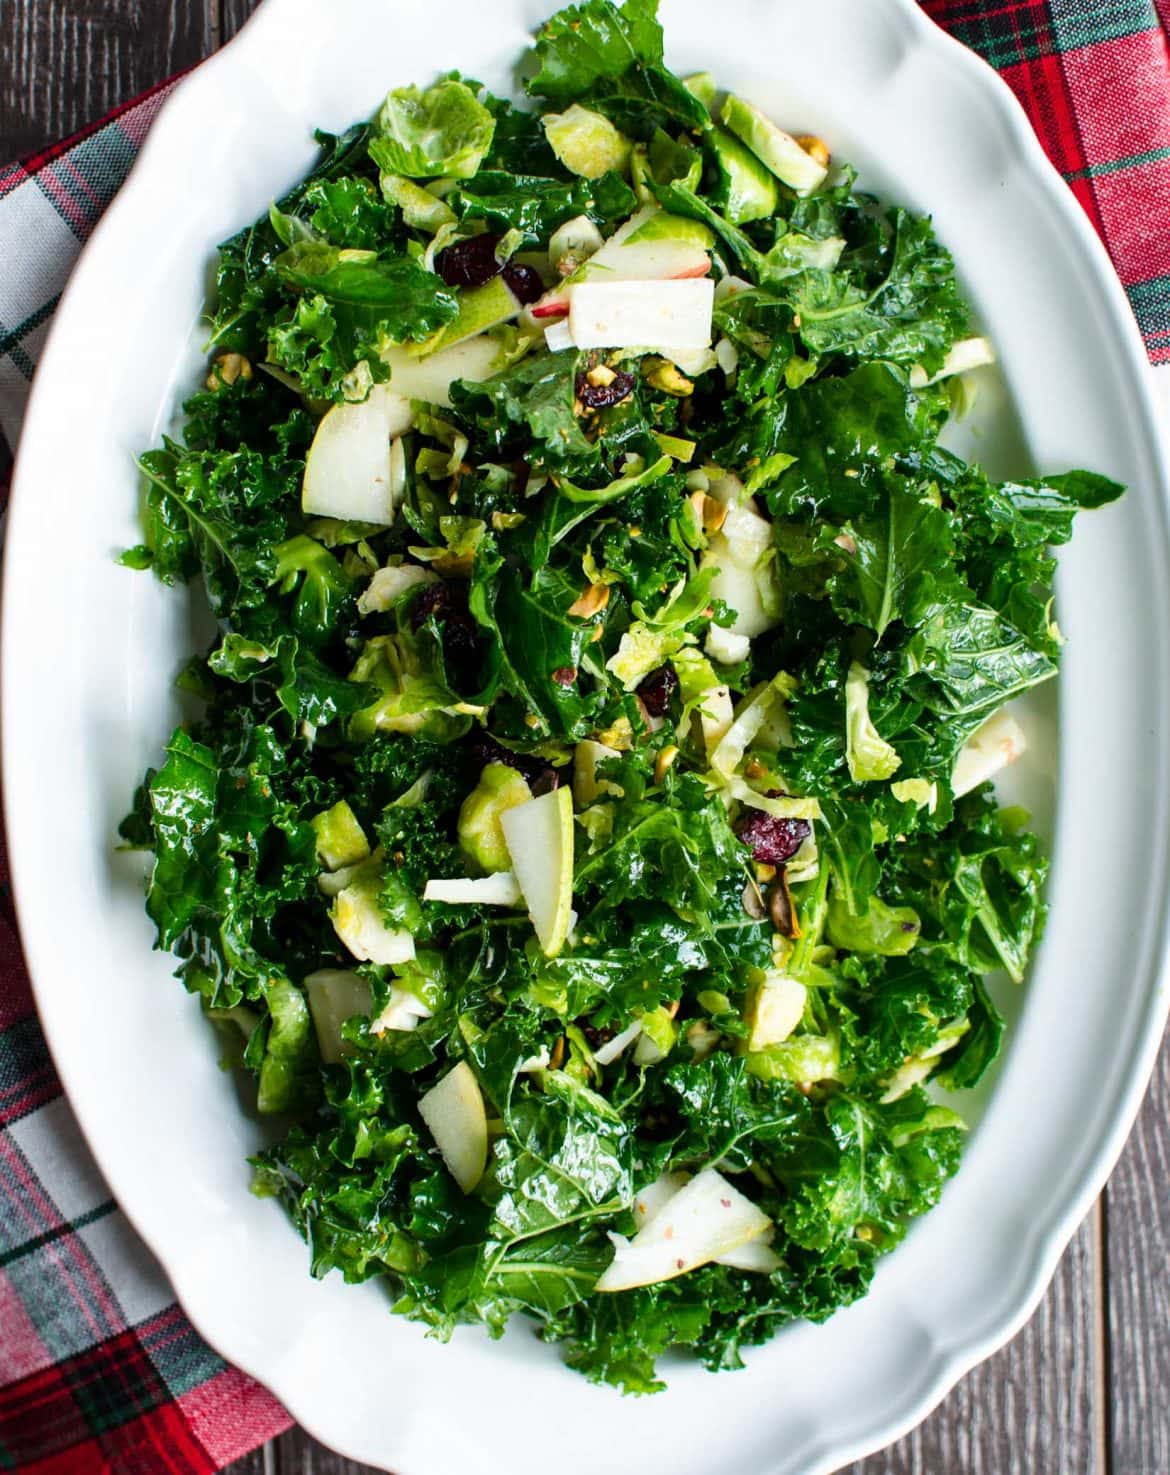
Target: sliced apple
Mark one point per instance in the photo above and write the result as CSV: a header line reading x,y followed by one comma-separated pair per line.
x,y
335,996
347,473
497,890
474,359
706,1219
652,245
989,750
454,1112
539,836
640,314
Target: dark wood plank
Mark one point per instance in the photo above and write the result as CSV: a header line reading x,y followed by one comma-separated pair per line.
x,y
259,1462
66,62
233,14
1137,1238
1029,1410
297,1454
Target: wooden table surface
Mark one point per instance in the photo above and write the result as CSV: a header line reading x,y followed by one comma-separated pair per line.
x,y
1085,1387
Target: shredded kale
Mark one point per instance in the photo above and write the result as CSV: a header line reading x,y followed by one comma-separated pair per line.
x,y
741,607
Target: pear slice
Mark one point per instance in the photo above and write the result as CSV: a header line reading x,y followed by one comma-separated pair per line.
x,y
335,996
480,308
702,1222
757,1254
587,787
988,751
497,890
430,379
539,836
965,355
754,1254
652,1199
347,474
454,1112
652,245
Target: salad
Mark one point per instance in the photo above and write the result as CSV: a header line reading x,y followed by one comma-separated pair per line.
x,y
586,842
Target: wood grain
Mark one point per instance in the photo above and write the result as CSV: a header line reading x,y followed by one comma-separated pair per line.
x,y
1029,1410
295,1453
1084,1389
66,62
1137,1242
233,14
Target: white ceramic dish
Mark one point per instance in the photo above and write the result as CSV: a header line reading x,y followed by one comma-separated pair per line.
x,y
88,650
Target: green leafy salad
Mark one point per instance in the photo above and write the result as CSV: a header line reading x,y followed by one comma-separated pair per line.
x,y
586,842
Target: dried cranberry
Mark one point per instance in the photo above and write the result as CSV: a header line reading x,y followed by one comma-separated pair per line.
x,y
461,644
657,689
432,599
487,750
772,840
545,782
447,603
601,396
469,263
523,281
596,1034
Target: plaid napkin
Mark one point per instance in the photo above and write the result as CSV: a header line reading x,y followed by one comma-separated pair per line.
x,y
100,1372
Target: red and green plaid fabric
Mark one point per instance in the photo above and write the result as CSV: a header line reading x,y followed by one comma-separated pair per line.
x,y
1094,78
100,1372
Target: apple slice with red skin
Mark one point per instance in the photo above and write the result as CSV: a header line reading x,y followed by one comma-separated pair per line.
x,y
651,246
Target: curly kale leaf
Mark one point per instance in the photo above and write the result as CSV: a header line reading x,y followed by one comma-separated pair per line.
x,y
611,59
